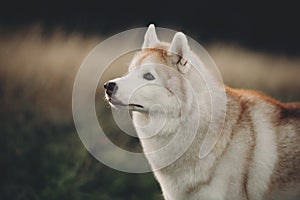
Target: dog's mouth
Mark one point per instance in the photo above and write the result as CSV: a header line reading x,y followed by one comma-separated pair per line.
x,y
118,103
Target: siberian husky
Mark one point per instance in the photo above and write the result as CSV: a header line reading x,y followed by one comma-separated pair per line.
x,y
257,155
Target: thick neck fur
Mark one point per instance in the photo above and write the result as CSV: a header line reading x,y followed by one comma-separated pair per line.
x,y
184,150
195,97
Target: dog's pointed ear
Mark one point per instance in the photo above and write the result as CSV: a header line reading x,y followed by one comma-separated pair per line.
x,y
150,39
179,51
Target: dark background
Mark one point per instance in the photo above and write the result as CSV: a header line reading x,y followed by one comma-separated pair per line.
x,y
42,44
265,25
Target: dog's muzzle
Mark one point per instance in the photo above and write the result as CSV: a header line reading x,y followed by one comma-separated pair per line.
x,y
110,89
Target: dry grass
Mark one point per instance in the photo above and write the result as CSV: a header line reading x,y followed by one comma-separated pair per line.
x,y
277,76
39,70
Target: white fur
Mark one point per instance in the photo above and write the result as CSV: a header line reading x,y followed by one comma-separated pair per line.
x,y
150,39
177,108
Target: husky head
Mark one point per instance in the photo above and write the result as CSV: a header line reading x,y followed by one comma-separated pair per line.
x,y
156,79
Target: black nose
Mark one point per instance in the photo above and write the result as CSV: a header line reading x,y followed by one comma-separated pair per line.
x,y
111,88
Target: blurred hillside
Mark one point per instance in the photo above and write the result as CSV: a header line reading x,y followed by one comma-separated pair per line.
x,y
41,155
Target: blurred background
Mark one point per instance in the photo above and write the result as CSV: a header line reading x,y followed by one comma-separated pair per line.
x,y
255,44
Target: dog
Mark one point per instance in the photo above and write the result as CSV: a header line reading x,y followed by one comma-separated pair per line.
x,y
256,156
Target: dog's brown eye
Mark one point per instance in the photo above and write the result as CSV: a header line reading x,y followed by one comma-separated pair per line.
x,y
148,76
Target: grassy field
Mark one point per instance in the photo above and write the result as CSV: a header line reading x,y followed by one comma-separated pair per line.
x,y
41,155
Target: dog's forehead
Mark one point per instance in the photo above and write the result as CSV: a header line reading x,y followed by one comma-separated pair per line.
x,y
149,56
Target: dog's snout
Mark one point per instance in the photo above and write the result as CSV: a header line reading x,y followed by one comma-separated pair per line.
x,y
111,87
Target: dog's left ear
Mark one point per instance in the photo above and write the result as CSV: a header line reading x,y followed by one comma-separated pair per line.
x,y
150,38
179,51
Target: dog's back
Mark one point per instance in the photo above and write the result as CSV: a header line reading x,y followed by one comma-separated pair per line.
x,y
272,164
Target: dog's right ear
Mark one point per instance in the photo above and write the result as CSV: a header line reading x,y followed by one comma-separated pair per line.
x,y
150,39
